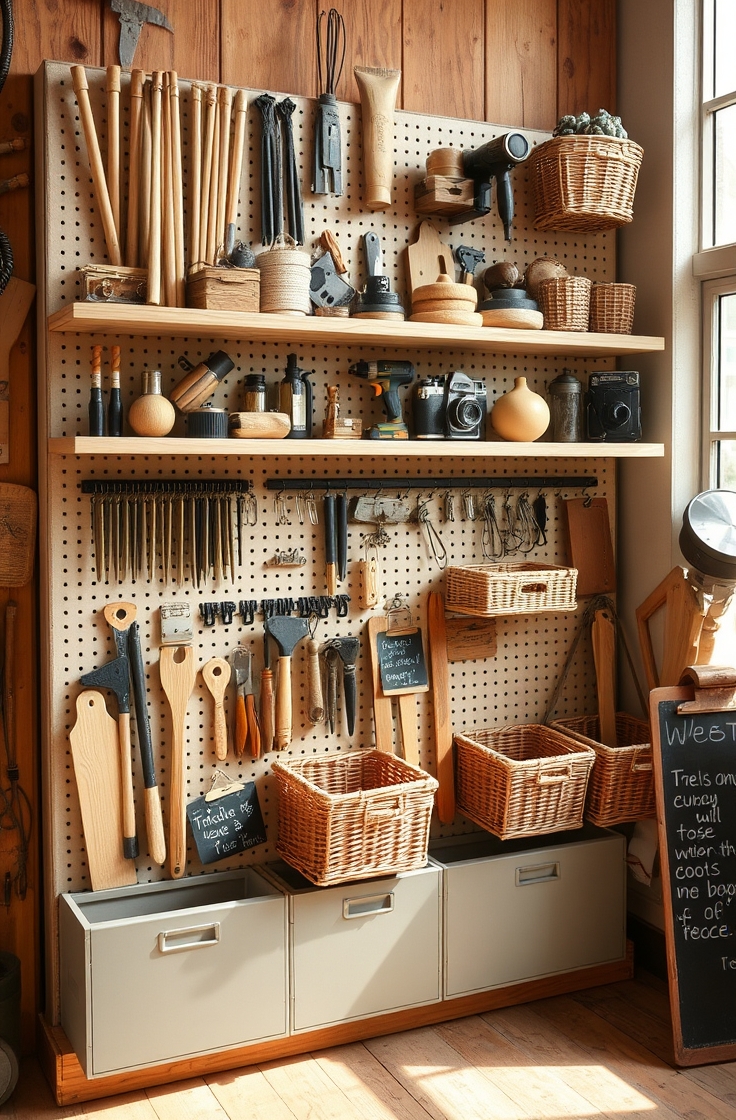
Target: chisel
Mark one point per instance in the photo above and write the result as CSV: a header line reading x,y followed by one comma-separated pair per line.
x,y
341,512
330,544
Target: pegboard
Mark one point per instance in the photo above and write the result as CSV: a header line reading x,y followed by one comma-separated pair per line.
x,y
513,686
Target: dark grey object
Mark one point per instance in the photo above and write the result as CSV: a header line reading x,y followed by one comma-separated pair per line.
x,y
132,17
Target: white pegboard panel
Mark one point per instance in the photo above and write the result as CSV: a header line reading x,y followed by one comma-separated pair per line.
x,y
513,686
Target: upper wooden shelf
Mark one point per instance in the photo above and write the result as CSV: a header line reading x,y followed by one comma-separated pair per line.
x,y
94,318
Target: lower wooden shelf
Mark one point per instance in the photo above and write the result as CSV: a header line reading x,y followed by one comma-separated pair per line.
x,y
69,1085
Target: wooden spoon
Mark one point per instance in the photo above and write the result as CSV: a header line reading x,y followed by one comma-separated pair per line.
x,y
216,675
178,671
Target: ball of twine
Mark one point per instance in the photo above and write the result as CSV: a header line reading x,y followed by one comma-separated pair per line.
x,y
285,276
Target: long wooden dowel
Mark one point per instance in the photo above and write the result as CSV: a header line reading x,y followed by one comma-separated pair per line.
x,y
195,174
211,248
113,144
102,197
210,101
168,251
144,205
240,109
154,231
178,192
225,98
137,78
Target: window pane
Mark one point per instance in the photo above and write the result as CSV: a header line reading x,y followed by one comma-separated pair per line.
x,y
724,186
726,357
725,57
726,471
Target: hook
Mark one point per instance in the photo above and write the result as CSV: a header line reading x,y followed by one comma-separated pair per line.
x,y
587,498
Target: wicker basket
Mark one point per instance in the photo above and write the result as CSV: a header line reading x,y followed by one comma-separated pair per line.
x,y
523,780
565,303
353,816
612,308
621,786
490,589
584,183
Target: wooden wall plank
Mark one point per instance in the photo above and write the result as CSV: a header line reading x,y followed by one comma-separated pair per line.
x,y
443,58
521,63
193,50
270,45
373,38
586,57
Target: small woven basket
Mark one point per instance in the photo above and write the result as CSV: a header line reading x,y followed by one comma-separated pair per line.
x,y
621,786
565,303
612,308
285,276
584,183
353,816
490,589
524,780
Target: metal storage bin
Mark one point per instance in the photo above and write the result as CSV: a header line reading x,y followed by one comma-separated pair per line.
x,y
163,971
518,910
362,948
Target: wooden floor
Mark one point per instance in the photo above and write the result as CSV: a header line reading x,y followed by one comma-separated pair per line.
x,y
605,1052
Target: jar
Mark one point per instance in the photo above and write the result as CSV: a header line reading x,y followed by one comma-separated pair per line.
x,y
254,396
566,408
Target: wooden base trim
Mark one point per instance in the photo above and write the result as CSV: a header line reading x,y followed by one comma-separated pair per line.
x,y
69,1085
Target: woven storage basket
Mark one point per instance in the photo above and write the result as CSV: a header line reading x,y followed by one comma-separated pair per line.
x,y
612,308
584,182
523,780
565,303
353,816
489,589
621,787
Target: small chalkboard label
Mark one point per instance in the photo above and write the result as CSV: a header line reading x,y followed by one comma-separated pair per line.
x,y
227,825
401,662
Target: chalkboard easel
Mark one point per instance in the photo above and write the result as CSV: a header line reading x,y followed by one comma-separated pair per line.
x,y
694,755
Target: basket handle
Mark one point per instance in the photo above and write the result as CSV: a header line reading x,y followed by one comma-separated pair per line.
x,y
531,587
375,816
554,779
636,766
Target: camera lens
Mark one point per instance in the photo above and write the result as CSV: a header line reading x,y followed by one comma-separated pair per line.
x,y
617,414
464,413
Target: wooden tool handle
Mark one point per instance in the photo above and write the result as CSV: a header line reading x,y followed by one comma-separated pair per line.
x,y
240,108
178,673
267,710
216,675
241,724
113,142
195,175
177,188
316,709
154,202
137,78
407,703
81,89
130,840
155,825
282,736
604,656
441,724
225,99
254,731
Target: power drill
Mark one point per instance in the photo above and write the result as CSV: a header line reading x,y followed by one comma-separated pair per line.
x,y
494,160
386,377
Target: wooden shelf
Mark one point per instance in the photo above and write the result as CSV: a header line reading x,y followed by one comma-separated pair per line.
x,y
122,319
379,449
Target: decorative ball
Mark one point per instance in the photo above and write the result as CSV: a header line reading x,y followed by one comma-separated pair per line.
x,y
151,414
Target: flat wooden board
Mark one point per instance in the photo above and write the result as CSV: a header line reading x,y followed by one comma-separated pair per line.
x,y
591,546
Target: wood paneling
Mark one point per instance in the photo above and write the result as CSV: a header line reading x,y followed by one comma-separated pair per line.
x,y
373,38
270,45
193,50
521,63
443,58
586,60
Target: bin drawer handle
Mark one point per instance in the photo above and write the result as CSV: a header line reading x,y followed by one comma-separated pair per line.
x,y
179,940
540,873
367,904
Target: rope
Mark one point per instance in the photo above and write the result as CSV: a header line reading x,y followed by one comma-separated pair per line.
x,y
285,276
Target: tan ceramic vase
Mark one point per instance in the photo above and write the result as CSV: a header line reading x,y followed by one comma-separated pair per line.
x,y
520,415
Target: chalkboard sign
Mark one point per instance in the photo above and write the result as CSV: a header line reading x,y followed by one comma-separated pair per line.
x,y
230,823
694,755
401,662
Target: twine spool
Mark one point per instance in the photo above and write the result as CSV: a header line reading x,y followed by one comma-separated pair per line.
x,y
285,276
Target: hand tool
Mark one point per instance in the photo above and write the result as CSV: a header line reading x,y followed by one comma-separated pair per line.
x,y
153,292
468,257
441,723
154,819
137,79
376,300
378,88
115,401
240,110
327,167
603,636
326,288
268,715
195,173
113,143
240,662
347,650
96,405
247,704
382,718
315,701
93,741
341,519
178,192
386,377
132,17
494,160
99,181
216,675
331,659
210,104
294,204
287,633
328,506
178,670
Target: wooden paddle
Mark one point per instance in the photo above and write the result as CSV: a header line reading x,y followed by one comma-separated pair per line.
x,y
216,675
178,670
382,717
428,258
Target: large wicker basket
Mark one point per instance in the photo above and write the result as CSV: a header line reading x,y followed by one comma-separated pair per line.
x,y
491,589
353,815
524,780
584,183
621,787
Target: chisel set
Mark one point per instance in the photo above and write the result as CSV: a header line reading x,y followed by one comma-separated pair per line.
x,y
173,529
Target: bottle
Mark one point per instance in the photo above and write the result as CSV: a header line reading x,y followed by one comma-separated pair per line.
x,y
96,408
254,396
115,403
151,414
566,408
295,399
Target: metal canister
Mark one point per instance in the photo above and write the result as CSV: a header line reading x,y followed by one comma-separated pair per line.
x,y
254,394
566,408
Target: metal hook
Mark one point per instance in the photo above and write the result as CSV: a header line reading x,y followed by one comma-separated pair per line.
x,y
587,498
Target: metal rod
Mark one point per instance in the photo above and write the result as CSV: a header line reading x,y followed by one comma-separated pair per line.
x,y
501,482
165,486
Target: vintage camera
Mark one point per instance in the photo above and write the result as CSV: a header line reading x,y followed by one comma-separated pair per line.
x,y
450,406
613,409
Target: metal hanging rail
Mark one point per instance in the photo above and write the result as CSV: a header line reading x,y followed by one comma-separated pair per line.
x,y
501,482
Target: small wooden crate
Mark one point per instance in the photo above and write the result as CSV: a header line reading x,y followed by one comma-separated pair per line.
x,y
525,780
584,183
491,589
621,786
353,816
442,194
224,289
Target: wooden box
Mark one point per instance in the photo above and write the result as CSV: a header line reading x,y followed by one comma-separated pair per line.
x,y
224,289
440,194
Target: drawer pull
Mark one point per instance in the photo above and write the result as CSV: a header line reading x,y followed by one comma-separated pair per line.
x,y
541,873
367,905
180,940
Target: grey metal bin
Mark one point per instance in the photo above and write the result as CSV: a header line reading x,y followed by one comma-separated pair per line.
x,y
167,970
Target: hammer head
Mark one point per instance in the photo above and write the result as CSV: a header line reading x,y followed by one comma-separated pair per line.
x,y
347,648
287,632
115,675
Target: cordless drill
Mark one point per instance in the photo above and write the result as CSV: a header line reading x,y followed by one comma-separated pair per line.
x,y
386,377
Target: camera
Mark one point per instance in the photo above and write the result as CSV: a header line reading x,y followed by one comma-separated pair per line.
x,y
613,409
450,406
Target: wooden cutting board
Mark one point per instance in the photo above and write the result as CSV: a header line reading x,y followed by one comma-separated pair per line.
x,y
428,257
